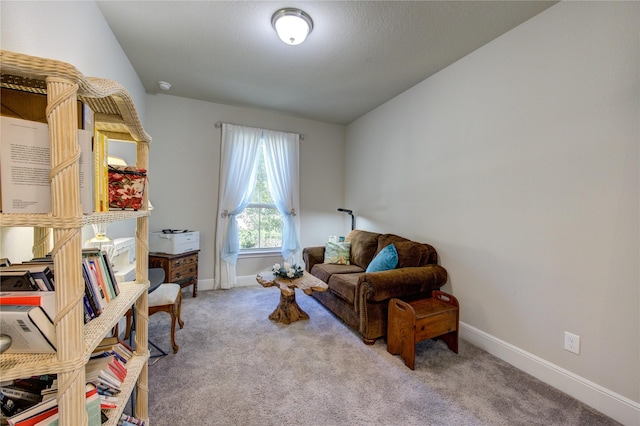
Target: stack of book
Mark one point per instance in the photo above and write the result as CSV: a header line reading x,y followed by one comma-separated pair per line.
x,y
29,401
44,412
107,369
28,302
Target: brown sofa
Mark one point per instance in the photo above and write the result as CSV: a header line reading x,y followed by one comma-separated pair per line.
x,y
361,299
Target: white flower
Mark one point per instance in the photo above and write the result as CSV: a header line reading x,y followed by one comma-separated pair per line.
x,y
287,266
276,267
290,274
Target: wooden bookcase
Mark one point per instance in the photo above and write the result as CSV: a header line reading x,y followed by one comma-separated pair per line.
x,y
116,116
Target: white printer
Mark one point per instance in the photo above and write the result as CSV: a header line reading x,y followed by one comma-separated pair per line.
x,y
173,241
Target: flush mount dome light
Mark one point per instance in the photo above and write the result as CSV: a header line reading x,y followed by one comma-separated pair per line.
x,y
292,25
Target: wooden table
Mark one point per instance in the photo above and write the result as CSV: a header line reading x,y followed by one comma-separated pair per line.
x,y
178,268
288,310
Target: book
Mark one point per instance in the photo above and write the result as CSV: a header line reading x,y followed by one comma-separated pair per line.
x,y
85,165
110,272
44,299
25,161
49,421
46,412
41,272
92,290
114,346
107,368
17,280
30,329
32,411
16,393
8,406
100,172
103,269
97,291
24,166
93,265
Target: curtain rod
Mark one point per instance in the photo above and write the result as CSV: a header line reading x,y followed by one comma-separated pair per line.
x,y
220,123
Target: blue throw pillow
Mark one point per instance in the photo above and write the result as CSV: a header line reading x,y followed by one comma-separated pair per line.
x,y
386,259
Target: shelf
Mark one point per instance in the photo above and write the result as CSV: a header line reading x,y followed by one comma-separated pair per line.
x,y
116,116
13,366
45,220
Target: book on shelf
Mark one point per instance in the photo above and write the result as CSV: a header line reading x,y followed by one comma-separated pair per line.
x,y
107,370
39,411
24,166
45,411
45,299
17,394
101,172
114,346
100,263
41,272
17,280
126,420
30,328
25,162
50,421
92,288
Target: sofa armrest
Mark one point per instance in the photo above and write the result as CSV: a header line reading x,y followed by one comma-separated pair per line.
x,y
311,256
402,282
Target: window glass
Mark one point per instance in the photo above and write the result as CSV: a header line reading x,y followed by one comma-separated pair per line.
x,y
260,224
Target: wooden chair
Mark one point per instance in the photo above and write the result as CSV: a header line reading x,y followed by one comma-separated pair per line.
x,y
166,297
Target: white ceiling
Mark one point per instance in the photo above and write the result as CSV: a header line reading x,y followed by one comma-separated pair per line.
x,y
359,55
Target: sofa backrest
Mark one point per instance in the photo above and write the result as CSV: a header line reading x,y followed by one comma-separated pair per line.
x,y
364,246
410,253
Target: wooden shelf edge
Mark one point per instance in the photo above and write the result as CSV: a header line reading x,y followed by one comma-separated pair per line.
x,y
46,220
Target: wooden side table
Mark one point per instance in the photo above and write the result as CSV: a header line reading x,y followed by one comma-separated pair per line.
x,y
288,310
413,322
179,268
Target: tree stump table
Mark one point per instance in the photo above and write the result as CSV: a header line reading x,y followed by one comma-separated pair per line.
x,y
288,310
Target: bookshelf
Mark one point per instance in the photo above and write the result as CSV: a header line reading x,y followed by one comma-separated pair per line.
x,y
115,116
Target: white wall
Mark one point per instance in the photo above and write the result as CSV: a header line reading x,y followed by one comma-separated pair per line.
x,y
519,163
184,167
76,33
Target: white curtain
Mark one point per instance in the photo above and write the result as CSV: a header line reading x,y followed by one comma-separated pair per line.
x,y
238,165
239,155
281,165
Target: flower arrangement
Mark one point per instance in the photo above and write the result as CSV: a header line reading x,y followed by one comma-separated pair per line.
x,y
287,270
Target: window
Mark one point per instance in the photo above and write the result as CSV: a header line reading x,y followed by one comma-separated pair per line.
x,y
260,223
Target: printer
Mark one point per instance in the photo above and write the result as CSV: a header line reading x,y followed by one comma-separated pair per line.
x,y
174,242
123,259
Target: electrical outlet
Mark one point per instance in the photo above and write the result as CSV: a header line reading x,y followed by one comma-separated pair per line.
x,y
572,342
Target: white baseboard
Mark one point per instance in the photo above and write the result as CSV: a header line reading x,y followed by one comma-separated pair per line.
x,y
616,406
205,284
246,280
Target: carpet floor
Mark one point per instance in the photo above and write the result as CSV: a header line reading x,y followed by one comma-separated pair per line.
x,y
236,367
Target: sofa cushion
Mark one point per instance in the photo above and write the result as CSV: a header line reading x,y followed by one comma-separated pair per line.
x,y
386,259
324,271
364,245
337,253
344,286
410,253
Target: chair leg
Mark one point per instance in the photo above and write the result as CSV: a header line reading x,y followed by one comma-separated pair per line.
x,y
173,331
178,307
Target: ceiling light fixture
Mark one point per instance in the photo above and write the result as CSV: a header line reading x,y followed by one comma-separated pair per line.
x,y
292,25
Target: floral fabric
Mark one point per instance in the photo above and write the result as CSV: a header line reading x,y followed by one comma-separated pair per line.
x,y
126,187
